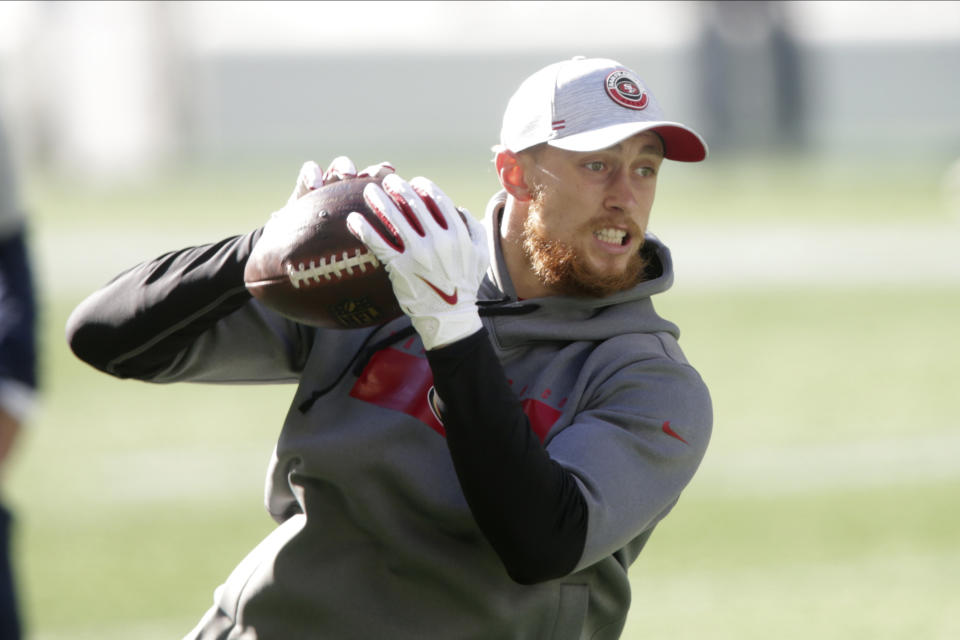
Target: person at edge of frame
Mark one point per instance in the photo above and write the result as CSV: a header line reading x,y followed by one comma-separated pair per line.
x,y
18,368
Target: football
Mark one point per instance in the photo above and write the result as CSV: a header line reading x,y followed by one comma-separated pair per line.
x,y
308,267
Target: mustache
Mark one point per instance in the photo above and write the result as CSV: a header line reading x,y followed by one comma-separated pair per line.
x,y
593,224
597,222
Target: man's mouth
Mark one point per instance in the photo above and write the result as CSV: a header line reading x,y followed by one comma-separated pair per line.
x,y
612,236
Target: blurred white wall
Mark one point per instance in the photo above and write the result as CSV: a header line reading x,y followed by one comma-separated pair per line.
x,y
113,89
89,86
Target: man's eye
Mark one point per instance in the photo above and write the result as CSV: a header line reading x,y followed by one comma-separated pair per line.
x,y
596,165
646,172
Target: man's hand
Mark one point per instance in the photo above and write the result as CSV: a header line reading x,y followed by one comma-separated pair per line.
x,y
435,258
341,168
312,177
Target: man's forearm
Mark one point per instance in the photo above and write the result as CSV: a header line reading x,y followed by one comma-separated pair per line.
x,y
139,322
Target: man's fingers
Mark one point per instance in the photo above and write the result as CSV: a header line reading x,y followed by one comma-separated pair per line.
x,y
309,178
340,168
382,246
377,171
312,177
437,202
446,213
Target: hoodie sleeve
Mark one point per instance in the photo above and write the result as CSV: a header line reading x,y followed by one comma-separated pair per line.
x,y
636,441
187,315
604,480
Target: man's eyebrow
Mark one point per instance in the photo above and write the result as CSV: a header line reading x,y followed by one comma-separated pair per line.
x,y
654,149
647,148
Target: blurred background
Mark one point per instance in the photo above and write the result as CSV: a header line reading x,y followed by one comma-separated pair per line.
x,y
818,281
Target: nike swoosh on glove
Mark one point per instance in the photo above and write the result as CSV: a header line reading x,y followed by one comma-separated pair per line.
x,y
435,255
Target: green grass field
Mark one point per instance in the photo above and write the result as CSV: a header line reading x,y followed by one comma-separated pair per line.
x,y
826,507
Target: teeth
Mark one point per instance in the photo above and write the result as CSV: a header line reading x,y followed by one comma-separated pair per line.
x,y
613,236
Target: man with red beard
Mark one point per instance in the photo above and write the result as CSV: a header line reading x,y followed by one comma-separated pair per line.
x,y
579,159
576,221
489,465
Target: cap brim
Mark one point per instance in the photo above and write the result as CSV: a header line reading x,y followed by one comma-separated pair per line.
x,y
682,143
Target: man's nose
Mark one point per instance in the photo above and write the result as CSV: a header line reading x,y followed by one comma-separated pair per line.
x,y
621,195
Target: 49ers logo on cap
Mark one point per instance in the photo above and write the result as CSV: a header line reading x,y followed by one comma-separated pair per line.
x,y
626,90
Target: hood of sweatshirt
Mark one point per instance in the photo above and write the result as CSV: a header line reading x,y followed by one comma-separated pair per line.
x,y
514,322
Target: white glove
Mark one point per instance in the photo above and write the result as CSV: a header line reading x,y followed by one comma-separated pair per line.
x,y
341,168
435,260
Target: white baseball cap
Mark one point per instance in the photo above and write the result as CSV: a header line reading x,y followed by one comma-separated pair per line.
x,y
588,104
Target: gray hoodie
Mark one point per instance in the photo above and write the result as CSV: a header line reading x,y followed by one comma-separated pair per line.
x,y
375,538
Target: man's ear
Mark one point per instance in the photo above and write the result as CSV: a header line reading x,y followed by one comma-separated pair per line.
x,y
512,176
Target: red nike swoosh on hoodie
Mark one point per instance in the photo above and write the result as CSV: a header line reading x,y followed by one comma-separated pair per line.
x,y
449,298
667,429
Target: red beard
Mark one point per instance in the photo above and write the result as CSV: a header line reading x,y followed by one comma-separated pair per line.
x,y
565,272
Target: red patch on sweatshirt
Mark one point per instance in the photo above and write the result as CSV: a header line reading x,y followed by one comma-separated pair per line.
x,y
401,381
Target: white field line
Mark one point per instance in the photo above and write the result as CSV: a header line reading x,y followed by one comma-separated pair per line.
x,y
162,475
705,256
182,475
162,629
864,464
749,256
